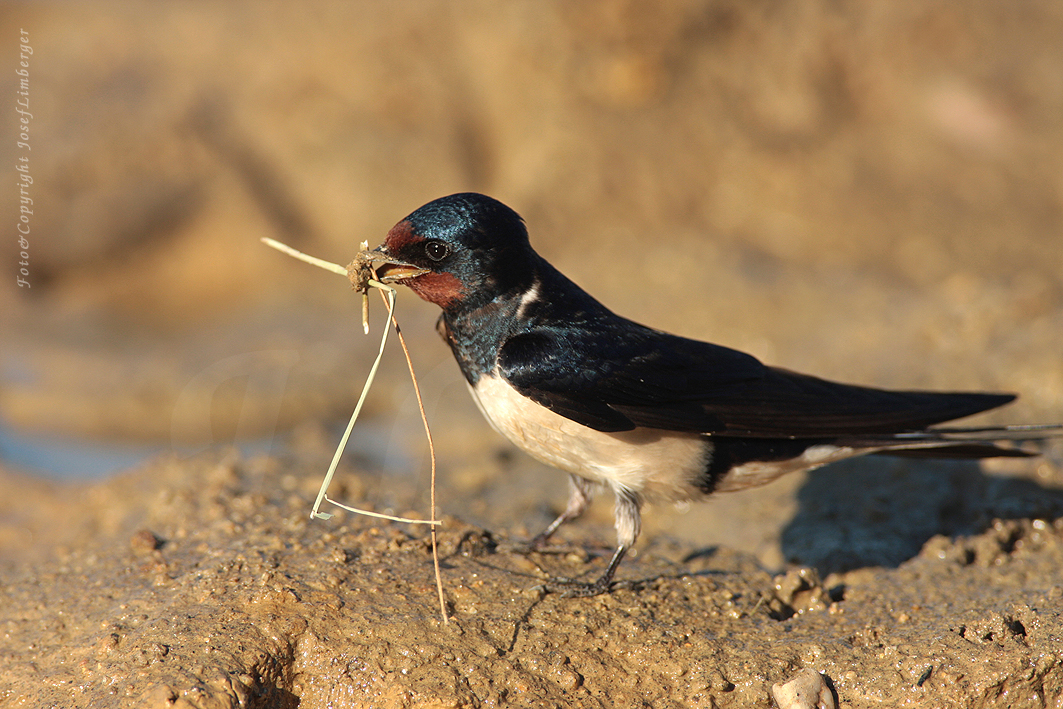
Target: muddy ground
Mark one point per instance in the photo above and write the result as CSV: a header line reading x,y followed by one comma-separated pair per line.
x,y
204,584
871,194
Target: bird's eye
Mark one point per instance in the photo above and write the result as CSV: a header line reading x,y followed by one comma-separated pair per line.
x,y
436,250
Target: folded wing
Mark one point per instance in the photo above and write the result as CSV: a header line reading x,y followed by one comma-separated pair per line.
x,y
618,376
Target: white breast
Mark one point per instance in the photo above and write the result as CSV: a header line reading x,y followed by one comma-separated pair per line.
x,y
662,465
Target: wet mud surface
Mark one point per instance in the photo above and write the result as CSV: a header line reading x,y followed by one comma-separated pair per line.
x,y
868,194
203,583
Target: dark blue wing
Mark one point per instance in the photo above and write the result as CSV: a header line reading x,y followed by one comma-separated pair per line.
x,y
617,375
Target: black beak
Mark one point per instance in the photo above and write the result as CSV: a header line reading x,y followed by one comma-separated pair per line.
x,y
392,270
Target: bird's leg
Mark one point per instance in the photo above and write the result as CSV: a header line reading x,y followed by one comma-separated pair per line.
x,y
628,525
578,500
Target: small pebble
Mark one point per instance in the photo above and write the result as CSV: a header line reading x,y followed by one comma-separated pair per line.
x,y
805,690
144,541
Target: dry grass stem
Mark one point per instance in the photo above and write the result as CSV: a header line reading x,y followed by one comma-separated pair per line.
x,y
362,276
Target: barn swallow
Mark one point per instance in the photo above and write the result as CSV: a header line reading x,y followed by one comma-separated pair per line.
x,y
654,416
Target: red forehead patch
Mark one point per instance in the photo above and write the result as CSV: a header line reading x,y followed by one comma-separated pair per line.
x,y
401,236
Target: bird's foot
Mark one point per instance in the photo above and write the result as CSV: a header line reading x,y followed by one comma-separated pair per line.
x,y
572,588
539,541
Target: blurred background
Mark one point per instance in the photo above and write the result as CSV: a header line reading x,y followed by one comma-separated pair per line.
x,y
867,192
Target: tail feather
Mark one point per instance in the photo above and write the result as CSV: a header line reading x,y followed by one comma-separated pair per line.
x,y
739,462
958,451
961,442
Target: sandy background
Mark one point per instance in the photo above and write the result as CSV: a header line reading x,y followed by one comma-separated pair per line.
x,y
871,194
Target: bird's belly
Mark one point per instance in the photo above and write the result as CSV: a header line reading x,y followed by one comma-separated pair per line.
x,y
663,465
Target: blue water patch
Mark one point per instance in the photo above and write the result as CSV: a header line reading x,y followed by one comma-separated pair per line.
x,y
65,458
71,459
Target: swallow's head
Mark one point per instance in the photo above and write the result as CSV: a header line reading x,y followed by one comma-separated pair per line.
x,y
458,251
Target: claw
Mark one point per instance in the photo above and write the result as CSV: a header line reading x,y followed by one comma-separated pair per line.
x,y
583,589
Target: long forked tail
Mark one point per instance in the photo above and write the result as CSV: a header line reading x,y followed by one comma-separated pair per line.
x,y
960,442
